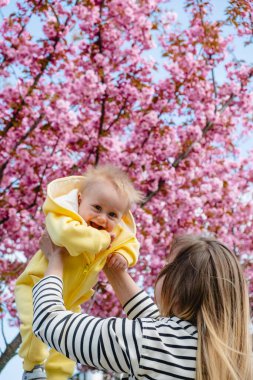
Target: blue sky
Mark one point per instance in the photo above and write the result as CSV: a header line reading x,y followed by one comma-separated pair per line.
x,y
13,370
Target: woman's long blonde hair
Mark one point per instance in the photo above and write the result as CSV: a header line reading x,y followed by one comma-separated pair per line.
x,y
204,284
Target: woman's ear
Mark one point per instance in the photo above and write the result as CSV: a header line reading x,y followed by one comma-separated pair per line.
x,y
79,198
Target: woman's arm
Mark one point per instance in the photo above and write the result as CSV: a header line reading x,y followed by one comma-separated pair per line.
x,y
136,303
53,254
123,284
113,344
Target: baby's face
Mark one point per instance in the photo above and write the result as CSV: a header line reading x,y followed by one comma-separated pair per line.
x,y
102,206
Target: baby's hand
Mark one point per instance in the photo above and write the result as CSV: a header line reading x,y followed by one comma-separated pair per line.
x,y
117,261
112,238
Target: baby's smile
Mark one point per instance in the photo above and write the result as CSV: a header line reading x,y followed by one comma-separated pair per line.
x,y
95,225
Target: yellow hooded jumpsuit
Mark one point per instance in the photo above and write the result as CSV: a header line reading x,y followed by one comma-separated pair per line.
x,y
88,250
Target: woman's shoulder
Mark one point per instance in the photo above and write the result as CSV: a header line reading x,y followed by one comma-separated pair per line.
x,y
181,325
169,348
170,326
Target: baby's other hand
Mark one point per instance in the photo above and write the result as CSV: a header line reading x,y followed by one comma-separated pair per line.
x,y
117,261
112,235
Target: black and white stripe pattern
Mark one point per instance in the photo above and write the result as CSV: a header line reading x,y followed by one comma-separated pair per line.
x,y
145,347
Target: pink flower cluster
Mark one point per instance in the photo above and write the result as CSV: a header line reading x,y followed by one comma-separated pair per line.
x,y
84,91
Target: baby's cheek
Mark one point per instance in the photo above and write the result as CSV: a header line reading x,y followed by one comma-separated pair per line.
x,y
111,226
109,229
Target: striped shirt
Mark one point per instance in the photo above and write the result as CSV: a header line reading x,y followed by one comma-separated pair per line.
x,y
142,346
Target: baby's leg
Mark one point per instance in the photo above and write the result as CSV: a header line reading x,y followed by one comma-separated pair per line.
x,y
58,366
32,350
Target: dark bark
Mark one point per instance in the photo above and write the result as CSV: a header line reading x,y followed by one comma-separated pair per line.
x,y
10,351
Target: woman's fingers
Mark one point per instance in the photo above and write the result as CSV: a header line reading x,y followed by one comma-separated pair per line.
x,y
111,260
46,244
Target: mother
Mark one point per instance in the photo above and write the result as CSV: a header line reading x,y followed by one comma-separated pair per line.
x,y
198,330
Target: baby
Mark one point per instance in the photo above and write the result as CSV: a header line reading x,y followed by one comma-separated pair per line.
x,y
90,216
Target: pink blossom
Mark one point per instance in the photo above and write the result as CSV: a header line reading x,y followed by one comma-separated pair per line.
x,y
3,3
87,92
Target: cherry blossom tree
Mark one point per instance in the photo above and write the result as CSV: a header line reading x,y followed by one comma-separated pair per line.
x,y
84,89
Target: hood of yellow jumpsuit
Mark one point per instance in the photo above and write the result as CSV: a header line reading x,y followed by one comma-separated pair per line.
x,y
62,198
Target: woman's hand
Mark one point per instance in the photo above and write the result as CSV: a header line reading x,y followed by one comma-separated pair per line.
x,y
116,261
46,245
123,284
53,254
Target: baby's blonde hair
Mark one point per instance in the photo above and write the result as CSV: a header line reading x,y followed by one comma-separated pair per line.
x,y
117,177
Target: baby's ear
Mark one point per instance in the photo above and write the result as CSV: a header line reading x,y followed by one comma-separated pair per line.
x,y
79,198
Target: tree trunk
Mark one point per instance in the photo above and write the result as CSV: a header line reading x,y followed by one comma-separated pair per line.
x,y
10,351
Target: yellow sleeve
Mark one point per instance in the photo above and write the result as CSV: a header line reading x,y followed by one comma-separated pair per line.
x,y
130,251
77,238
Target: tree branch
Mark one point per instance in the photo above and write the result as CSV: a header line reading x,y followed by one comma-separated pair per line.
x,y
44,65
151,194
10,351
186,153
5,57
4,165
2,331
102,116
118,116
37,189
